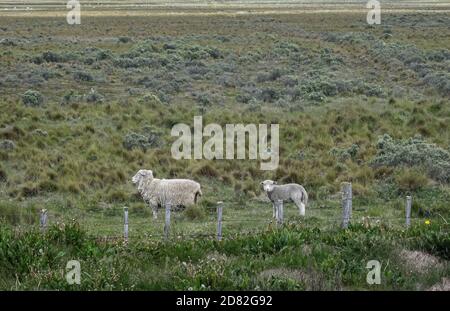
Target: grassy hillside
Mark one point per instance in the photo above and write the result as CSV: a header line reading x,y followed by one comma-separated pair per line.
x,y
83,108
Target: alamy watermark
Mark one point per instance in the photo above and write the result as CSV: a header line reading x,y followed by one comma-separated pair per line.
x,y
235,140
73,272
374,274
74,15
374,14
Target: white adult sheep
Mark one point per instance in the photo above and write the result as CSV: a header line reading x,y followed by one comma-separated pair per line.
x,y
287,193
156,192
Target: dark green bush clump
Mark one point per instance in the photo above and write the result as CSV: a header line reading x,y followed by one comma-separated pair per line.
x,y
83,76
7,145
32,98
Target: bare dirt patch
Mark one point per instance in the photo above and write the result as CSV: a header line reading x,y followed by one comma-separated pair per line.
x,y
420,262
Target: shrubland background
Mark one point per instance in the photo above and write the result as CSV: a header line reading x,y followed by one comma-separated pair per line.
x,y
84,107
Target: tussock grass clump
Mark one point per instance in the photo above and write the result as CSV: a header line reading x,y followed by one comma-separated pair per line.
x,y
194,213
14,215
410,180
206,170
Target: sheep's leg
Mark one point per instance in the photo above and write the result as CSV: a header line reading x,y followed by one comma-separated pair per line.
x,y
275,211
301,206
154,211
302,209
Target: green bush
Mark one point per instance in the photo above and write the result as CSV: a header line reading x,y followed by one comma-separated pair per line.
x,y
413,152
94,97
150,139
343,154
7,145
82,76
32,98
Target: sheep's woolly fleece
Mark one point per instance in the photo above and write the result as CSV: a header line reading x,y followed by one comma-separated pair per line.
x,y
178,192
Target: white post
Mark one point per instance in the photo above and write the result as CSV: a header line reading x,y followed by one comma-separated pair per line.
x,y
346,204
167,221
408,211
43,219
125,225
279,209
219,220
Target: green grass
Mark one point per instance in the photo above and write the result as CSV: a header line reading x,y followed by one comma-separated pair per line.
x,y
297,256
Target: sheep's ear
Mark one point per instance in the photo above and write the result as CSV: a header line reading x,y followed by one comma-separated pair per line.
x,y
275,183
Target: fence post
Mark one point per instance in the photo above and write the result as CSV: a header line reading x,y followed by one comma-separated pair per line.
x,y
350,201
125,225
279,211
408,211
167,221
43,219
346,204
219,220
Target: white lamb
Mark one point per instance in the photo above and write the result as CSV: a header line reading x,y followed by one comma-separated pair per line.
x,y
156,192
287,193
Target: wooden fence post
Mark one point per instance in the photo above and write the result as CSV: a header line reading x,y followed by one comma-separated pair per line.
x,y
219,220
346,204
167,221
279,211
43,219
125,224
408,211
350,201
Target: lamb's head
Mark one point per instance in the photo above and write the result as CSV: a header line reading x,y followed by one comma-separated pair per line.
x,y
267,185
142,175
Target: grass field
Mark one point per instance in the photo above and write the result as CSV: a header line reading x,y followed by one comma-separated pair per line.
x,y
84,107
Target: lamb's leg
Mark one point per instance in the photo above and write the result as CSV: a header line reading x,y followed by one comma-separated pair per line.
x,y
274,211
154,211
300,205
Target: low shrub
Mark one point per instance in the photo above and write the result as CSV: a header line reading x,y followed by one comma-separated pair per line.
x,y
94,97
151,138
82,76
70,98
7,145
32,98
413,152
343,154
124,39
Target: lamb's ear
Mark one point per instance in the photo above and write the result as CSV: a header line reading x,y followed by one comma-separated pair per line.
x,y
275,183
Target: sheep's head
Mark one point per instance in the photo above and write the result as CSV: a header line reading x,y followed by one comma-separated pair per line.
x,y
267,185
142,175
